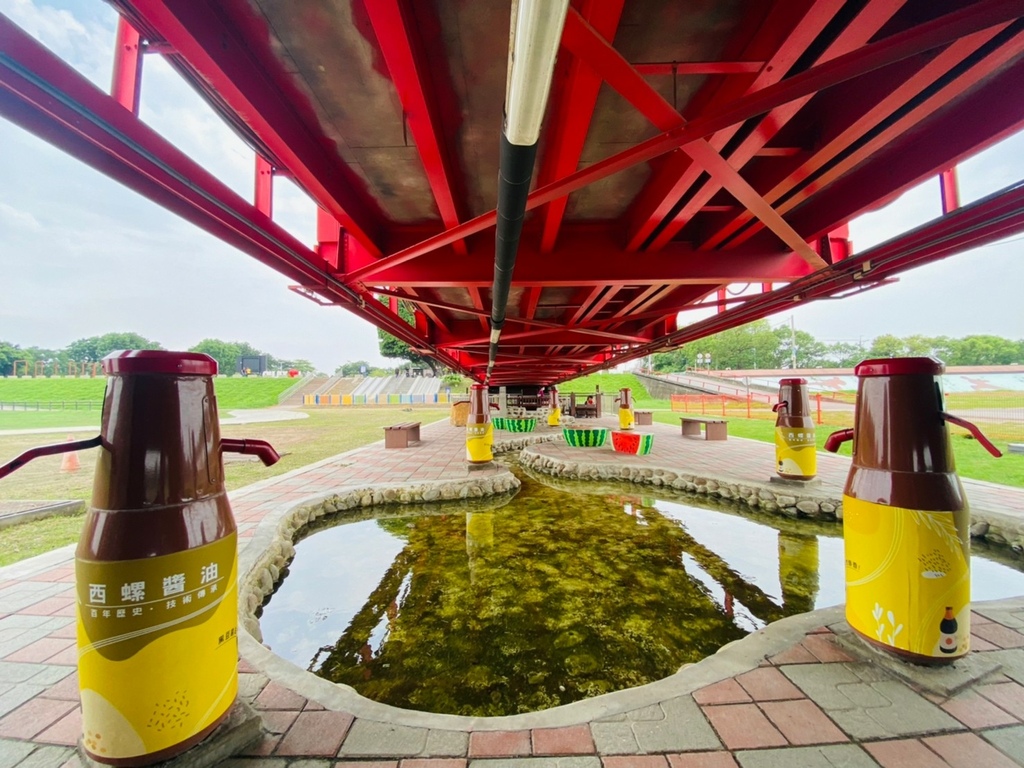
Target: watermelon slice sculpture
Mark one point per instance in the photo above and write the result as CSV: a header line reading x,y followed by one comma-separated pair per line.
x,y
585,437
632,442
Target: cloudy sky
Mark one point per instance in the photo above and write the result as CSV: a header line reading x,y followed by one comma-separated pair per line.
x,y
81,256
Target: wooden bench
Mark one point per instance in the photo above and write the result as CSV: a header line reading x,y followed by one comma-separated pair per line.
x,y
584,411
714,429
643,418
400,435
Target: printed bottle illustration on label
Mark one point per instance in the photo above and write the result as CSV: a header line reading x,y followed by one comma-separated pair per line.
x,y
947,632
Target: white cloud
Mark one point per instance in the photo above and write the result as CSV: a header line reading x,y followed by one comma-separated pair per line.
x,y
14,217
84,39
171,107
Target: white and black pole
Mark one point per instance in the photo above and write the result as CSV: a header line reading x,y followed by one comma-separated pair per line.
x,y
535,37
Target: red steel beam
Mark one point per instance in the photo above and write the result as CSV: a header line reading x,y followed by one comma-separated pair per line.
x,y
598,263
918,157
582,40
263,197
401,47
993,218
679,299
205,36
427,309
898,47
601,303
126,82
528,305
699,68
668,184
867,23
835,158
553,336
989,220
592,297
996,217
476,296
572,111
645,298
411,296
950,190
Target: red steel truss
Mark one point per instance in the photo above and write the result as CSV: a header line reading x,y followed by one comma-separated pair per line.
x,y
686,147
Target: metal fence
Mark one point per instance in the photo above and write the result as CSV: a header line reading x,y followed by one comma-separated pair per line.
x,y
52,405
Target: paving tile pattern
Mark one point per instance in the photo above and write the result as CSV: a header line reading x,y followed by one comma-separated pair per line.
x,y
811,704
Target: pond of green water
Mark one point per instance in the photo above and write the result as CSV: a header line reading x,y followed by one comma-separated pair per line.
x,y
565,591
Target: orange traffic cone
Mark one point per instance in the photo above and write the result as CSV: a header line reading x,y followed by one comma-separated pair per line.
x,y
69,461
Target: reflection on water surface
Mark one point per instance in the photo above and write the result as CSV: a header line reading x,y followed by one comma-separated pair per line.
x,y
497,607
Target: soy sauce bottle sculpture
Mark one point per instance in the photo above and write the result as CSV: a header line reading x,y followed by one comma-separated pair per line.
x,y
796,456
554,407
479,429
905,517
155,567
625,400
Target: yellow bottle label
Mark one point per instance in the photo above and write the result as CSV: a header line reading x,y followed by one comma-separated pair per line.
x,y
479,442
555,417
796,452
626,418
906,569
157,648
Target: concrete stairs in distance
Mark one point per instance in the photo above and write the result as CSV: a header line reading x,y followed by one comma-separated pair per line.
x,y
311,386
397,385
345,385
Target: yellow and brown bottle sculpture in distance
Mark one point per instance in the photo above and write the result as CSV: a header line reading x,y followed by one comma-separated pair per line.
x,y
625,398
554,408
479,430
796,453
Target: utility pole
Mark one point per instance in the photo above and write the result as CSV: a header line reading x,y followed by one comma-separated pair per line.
x,y
792,342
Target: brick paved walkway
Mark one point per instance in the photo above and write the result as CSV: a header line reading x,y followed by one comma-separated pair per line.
x,y
794,694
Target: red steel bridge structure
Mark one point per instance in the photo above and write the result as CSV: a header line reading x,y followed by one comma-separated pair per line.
x,y
680,147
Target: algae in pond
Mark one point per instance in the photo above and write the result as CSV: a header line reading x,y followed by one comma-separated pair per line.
x,y
514,611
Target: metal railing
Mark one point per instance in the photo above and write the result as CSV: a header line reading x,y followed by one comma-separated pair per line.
x,y
51,405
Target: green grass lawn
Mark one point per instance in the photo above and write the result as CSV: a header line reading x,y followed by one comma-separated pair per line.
x,y
31,539
240,392
994,399
51,390
610,384
41,419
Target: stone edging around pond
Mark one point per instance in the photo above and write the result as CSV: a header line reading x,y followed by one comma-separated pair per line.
x,y
272,547
782,500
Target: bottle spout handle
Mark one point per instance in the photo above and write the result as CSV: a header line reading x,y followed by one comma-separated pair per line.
x,y
47,450
259,448
780,405
836,439
985,442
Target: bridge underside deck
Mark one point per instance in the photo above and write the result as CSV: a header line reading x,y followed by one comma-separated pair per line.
x,y
686,147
